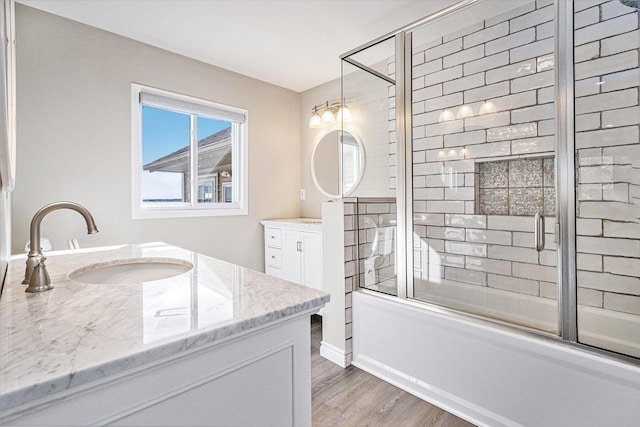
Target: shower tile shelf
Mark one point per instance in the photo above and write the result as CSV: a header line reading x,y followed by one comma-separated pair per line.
x,y
517,187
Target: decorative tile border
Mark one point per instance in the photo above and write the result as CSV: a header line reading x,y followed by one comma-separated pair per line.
x,y
517,187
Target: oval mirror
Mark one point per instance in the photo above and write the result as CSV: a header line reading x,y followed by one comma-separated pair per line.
x,y
337,162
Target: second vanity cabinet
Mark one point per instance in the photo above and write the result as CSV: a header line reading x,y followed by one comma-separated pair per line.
x,y
293,250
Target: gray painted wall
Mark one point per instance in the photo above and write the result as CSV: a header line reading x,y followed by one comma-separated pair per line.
x,y
370,123
311,207
74,139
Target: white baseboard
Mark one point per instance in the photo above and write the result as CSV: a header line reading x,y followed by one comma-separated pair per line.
x,y
437,397
335,355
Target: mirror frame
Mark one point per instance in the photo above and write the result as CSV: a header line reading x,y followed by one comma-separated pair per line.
x,y
316,142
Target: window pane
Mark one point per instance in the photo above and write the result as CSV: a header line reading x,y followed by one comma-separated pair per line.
x,y
205,193
228,193
214,158
165,156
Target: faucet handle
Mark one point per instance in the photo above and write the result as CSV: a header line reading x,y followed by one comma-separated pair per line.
x,y
32,261
39,280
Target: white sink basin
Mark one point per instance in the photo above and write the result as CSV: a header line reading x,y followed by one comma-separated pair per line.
x,y
134,270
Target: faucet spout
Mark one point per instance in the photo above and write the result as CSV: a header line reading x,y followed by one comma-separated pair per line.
x,y
35,261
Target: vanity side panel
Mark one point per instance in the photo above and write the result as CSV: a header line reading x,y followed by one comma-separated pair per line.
x,y
259,393
246,364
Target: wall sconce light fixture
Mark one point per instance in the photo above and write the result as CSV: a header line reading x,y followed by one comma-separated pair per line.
x,y
316,120
327,114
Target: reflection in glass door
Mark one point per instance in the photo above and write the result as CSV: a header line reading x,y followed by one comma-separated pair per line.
x,y
368,88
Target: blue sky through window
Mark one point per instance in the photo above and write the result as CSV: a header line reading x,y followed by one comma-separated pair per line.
x,y
164,132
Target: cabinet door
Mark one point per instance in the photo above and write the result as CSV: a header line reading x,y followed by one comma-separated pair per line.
x,y
292,256
311,259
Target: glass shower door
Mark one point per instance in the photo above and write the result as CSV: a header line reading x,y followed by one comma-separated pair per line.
x,y
607,156
502,143
483,197
368,89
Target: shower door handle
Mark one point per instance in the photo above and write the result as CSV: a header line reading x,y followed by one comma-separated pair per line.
x,y
538,231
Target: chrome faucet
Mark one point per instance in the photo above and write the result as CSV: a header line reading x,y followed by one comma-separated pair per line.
x,y
36,275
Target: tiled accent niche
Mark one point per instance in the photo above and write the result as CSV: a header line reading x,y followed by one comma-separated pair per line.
x,y
377,228
519,187
607,141
484,97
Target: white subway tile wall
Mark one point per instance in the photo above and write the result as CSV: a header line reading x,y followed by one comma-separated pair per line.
x,y
377,228
485,95
372,255
608,175
490,105
350,282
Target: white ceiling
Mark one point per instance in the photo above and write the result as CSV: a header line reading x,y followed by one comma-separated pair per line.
x,y
295,44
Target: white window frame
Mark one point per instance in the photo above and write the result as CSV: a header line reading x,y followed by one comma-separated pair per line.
x,y
240,161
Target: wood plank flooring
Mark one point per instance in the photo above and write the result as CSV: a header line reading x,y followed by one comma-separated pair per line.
x,y
351,397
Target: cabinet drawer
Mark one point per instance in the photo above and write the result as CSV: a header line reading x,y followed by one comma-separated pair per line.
x,y
274,257
273,237
273,271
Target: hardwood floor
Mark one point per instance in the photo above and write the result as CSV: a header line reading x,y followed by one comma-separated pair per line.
x,y
351,397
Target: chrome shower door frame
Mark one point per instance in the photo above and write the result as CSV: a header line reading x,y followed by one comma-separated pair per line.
x,y
565,175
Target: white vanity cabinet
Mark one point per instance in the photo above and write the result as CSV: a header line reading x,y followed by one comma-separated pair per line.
x,y
293,250
235,354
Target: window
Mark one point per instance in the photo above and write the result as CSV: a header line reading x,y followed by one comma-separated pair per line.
x,y
227,194
189,156
206,186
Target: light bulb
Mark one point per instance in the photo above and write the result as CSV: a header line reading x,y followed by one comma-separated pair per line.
x,y
344,114
328,117
316,121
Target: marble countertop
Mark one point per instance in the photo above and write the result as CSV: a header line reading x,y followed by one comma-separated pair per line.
x,y
301,223
78,333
